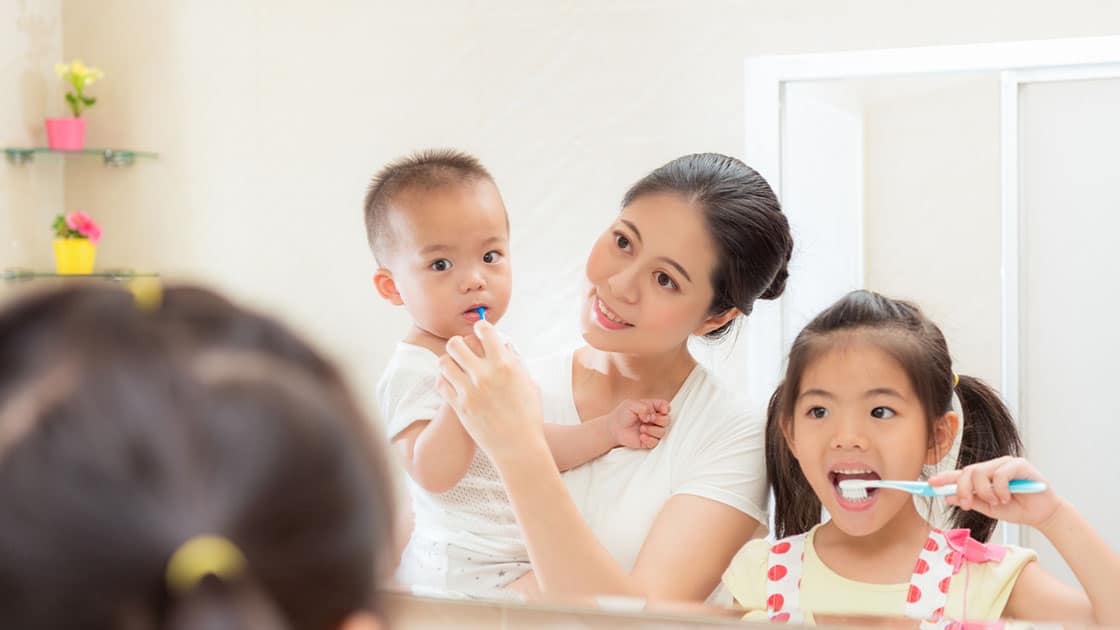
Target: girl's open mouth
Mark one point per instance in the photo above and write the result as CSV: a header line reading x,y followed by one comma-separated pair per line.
x,y
858,500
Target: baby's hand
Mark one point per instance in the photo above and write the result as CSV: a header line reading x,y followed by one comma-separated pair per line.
x,y
983,487
639,423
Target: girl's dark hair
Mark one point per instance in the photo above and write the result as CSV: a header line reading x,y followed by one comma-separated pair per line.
x,y
744,219
901,330
125,432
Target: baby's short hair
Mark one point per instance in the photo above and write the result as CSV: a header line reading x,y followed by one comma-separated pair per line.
x,y
424,170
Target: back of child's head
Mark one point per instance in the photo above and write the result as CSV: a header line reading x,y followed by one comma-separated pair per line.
x,y
902,331
127,433
428,170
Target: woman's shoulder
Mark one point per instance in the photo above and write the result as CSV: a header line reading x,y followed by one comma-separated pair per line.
x,y
552,371
711,404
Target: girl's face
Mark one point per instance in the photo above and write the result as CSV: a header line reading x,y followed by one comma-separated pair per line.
x,y
650,279
857,417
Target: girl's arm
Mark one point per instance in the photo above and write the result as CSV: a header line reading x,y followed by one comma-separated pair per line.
x,y
436,452
500,407
1037,595
634,424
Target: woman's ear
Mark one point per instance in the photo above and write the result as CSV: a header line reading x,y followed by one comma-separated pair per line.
x,y
386,287
361,621
944,432
713,322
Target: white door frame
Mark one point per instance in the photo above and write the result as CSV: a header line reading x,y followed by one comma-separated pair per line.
x,y
1017,63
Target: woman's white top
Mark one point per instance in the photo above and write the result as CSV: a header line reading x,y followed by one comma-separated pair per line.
x,y
714,448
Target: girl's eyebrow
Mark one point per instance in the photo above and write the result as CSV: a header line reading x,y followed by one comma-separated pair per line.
x,y
815,392
883,391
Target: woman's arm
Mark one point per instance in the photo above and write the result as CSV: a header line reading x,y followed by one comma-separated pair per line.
x,y
500,407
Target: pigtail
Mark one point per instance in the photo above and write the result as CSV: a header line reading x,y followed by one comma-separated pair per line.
x,y
988,432
796,507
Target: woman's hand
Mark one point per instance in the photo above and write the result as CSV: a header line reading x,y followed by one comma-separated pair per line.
x,y
984,487
485,383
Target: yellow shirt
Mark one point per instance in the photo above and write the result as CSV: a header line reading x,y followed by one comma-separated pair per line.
x,y
825,591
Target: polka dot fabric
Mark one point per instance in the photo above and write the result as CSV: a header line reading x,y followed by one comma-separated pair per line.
x,y
925,599
783,580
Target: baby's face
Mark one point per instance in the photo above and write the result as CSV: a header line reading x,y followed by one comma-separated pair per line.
x,y
451,256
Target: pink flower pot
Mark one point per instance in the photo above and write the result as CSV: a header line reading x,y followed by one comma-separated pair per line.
x,y
66,134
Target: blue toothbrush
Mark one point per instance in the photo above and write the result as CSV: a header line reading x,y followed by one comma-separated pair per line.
x,y
856,489
481,313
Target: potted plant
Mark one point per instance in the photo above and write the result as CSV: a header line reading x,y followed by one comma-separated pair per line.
x,y
69,134
75,243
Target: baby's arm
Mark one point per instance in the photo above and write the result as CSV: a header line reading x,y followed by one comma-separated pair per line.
x,y
633,424
1037,595
436,452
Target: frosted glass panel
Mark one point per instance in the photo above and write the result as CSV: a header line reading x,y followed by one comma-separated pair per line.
x,y
1069,136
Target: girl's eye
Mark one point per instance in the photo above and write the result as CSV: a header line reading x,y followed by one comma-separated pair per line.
x,y
442,264
621,240
882,413
491,257
665,280
818,412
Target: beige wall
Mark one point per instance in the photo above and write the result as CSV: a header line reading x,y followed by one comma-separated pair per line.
x,y
270,117
932,209
30,45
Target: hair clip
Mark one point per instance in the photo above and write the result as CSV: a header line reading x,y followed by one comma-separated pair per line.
x,y
201,556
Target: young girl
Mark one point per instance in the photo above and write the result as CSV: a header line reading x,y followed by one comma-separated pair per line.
x,y
190,465
867,395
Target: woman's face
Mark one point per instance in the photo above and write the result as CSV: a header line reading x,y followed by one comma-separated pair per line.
x,y
650,278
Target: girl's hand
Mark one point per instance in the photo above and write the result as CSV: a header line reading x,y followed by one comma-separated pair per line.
x,y
492,393
983,487
639,423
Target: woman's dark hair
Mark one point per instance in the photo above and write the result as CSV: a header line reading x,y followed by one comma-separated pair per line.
x,y
126,432
902,331
744,219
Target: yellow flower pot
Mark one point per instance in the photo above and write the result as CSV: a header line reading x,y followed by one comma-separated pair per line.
x,y
74,255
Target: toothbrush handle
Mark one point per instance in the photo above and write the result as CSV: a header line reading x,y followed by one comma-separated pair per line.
x,y
1016,486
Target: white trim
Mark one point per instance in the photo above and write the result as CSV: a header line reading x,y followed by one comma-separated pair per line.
x,y
1018,63
1011,238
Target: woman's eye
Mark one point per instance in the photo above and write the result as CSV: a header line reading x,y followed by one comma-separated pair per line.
x,y
621,240
665,280
818,412
491,257
442,264
882,413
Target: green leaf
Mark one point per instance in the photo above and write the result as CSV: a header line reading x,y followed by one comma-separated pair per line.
x,y
89,101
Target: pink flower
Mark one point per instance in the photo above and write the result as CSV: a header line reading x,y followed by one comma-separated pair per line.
x,y
81,223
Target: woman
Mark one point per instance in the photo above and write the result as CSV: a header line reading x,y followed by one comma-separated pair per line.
x,y
697,242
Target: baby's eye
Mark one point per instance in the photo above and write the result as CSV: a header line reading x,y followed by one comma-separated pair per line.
x,y
882,413
442,264
818,412
665,280
621,240
491,257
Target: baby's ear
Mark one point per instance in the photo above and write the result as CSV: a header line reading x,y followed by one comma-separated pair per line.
x,y
386,287
944,432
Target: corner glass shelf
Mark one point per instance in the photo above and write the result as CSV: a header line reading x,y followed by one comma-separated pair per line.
x,y
26,275
111,157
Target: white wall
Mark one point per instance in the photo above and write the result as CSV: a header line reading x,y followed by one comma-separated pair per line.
x,y
271,116
30,45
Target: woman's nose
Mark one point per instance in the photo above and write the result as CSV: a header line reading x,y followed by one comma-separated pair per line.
x,y
623,285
